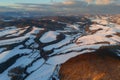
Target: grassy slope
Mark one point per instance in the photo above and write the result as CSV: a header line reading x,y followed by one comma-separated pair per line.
x,y
93,66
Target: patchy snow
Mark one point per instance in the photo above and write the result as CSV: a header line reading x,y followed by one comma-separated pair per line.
x,y
70,46
64,57
30,41
100,36
18,32
7,20
116,38
43,73
19,39
12,41
23,61
63,50
59,44
8,54
101,21
74,47
59,59
35,30
49,36
8,30
96,27
2,49
36,65
92,39
118,52
74,26
3,55
4,76
12,31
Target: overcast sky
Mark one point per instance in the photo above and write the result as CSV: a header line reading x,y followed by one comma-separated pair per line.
x,y
62,6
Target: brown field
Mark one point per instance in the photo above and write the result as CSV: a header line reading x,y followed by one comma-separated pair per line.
x,y
92,66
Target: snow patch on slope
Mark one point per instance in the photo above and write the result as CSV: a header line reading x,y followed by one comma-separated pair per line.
x,y
49,37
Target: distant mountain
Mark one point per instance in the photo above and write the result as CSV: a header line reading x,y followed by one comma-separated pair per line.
x,y
26,14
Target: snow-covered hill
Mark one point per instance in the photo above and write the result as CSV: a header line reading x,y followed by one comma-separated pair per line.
x,y
35,53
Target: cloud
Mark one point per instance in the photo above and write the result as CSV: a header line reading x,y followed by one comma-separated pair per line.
x,y
68,2
103,2
71,7
97,2
8,9
89,1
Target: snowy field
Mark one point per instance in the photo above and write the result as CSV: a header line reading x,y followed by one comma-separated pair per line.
x,y
39,52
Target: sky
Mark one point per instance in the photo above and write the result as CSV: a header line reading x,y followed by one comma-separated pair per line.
x,y
62,6
28,1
